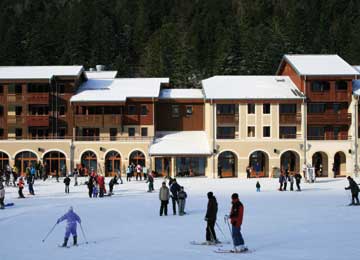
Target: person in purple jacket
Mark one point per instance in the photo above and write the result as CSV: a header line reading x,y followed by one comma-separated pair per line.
x,y
71,217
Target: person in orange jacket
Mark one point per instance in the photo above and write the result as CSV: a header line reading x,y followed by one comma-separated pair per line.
x,y
21,185
236,219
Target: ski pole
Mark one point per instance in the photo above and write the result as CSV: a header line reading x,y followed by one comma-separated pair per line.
x,y
218,226
226,218
51,230
83,234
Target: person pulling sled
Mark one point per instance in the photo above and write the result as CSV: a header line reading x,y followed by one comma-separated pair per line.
x,y
72,219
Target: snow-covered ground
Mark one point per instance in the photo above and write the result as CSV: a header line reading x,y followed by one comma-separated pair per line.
x,y
313,224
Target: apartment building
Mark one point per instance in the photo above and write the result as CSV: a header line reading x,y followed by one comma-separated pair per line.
x,y
67,117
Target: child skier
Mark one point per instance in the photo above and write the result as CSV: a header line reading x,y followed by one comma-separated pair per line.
x,y
67,184
95,191
258,186
21,187
71,217
182,199
236,219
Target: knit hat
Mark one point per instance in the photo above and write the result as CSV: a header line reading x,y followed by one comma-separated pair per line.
x,y
235,196
210,194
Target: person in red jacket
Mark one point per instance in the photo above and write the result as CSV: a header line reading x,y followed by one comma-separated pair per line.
x,y
101,183
236,219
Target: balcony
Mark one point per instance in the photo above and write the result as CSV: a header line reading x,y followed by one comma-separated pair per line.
x,y
290,118
330,136
98,120
227,119
37,98
35,120
329,96
329,119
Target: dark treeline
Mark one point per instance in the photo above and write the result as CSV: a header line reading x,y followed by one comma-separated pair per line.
x,y
185,39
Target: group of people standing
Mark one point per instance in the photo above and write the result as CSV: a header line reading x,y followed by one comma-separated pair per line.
x,y
137,170
286,176
176,193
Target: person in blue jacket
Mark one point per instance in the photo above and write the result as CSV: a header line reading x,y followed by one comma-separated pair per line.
x,y
72,219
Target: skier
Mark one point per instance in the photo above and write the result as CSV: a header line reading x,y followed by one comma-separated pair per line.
x,y
67,181
174,188
353,186
150,180
71,217
31,180
101,183
95,190
138,169
298,180
291,179
15,174
164,196
128,173
281,180
76,174
90,185
258,186
112,182
182,199
119,176
2,194
210,218
21,187
236,219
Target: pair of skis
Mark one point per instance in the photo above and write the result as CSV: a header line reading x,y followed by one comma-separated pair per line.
x,y
219,249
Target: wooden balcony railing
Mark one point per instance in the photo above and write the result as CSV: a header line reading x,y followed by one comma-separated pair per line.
x,y
329,119
37,120
290,118
329,96
330,136
37,98
227,119
98,120
289,136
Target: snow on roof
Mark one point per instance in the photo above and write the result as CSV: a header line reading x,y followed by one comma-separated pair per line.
x,y
184,93
180,143
251,87
112,90
101,74
357,68
38,72
320,65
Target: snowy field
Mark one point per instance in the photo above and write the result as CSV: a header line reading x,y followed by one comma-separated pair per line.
x,y
313,224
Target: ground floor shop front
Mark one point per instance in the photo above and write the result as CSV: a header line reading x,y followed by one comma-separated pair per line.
x,y
230,160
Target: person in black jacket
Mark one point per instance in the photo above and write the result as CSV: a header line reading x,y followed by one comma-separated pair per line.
x,y
174,189
90,185
354,191
112,182
297,181
67,184
210,218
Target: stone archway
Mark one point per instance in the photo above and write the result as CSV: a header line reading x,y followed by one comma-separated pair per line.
x,y
290,161
320,163
227,162
259,163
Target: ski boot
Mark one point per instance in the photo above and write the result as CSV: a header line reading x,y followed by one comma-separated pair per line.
x,y
75,241
65,242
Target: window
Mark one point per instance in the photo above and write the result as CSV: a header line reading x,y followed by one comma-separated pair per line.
x,y
62,110
316,133
287,132
251,131
131,131
320,86
287,108
316,107
251,108
61,88
18,133
225,133
18,89
175,112
113,134
189,110
266,108
144,131
38,88
341,85
91,134
225,109
131,110
266,131
18,110
144,110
